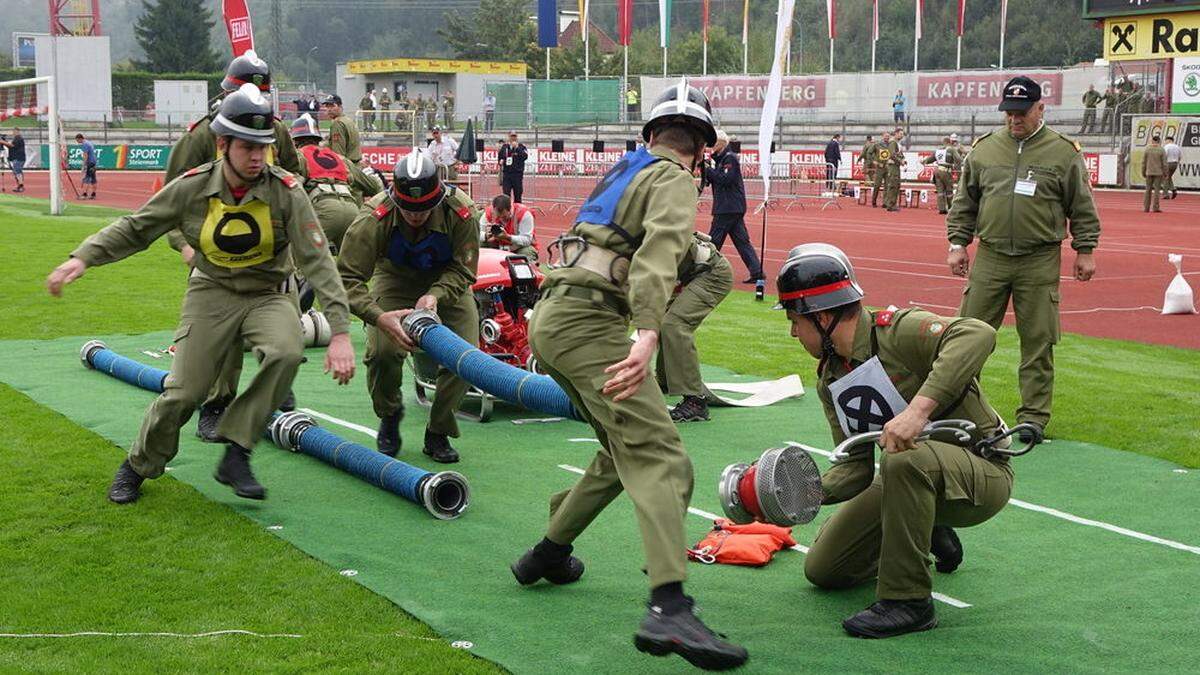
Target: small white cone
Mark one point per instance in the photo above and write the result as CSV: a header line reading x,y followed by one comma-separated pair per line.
x,y
1179,298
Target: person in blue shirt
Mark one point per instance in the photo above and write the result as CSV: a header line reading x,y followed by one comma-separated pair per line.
x,y
16,157
898,106
89,166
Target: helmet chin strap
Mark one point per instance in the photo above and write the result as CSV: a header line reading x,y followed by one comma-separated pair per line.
x,y
827,349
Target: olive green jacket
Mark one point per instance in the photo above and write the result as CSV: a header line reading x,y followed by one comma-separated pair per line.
x,y
343,138
923,354
364,252
194,202
658,211
987,206
1154,161
867,156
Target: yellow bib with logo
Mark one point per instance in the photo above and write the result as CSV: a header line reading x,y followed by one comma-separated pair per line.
x,y
237,236
884,154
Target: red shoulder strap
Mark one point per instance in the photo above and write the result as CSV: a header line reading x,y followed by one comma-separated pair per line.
x,y
884,318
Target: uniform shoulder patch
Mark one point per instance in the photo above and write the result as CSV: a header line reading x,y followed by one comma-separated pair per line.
x,y
284,176
885,318
203,168
197,123
381,211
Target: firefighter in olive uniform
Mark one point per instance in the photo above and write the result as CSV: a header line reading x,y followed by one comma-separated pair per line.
x,y
705,278
198,147
332,181
1021,189
246,220
418,246
946,161
343,132
882,154
910,367
867,157
892,157
617,266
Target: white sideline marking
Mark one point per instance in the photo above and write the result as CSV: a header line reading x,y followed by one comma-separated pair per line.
x,y
1070,517
953,602
92,633
330,418
583,440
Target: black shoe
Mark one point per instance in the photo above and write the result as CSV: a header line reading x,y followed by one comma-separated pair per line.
x,y
892,208
942,213
690,409
947,550
437,447
754,280
1038,434
532,567
234,471
126,485
289,403
387,438
210,418
684,634
889,618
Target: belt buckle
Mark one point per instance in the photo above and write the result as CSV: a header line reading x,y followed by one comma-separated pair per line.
x,y
557,245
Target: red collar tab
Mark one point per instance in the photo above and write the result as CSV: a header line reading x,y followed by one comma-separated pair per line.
x,y
884,318
381,211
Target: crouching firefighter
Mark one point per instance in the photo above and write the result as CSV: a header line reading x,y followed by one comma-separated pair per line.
x,y
705,277
419,242
334,184
893,371
617,266
247,221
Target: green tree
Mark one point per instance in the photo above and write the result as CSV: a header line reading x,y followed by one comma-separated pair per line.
x,y
174,34
500,30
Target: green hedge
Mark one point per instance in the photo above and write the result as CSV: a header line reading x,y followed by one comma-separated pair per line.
x,y
7,74
132,90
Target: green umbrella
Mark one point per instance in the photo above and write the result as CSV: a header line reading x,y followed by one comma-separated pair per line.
x,y
466,148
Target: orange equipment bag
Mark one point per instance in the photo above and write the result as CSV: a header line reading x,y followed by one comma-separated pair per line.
x,y
752,544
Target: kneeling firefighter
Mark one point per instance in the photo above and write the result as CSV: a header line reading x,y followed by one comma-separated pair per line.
x,y
893,371
419,242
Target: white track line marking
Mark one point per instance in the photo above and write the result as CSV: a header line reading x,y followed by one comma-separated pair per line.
x,y
1070,517
953,602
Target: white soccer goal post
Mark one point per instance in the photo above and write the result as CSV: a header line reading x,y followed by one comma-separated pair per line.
x,y
20,98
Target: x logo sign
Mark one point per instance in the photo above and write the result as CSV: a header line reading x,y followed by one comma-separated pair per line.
x,y
1122,33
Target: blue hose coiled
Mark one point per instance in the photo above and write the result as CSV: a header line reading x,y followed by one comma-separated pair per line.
x,y
98,356
530,390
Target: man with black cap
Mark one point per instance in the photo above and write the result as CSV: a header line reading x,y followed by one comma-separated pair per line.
x,y
512,158
1022,189
616,267
343,132
892,371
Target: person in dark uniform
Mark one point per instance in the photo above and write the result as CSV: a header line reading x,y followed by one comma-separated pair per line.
x,y
512,158
724,173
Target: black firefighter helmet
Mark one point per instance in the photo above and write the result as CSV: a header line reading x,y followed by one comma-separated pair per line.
x,y
681,104
247,69
816,277
245,114
416,185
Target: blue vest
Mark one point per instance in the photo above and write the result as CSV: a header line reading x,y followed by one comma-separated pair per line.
x,y
431,253
601,207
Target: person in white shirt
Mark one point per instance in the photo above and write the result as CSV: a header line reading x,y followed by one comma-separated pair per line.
x,y
1174,154
444,151
508,227
489,111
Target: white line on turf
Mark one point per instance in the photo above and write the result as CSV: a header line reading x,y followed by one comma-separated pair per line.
x,y
953,602
330,418
92,633
1070,517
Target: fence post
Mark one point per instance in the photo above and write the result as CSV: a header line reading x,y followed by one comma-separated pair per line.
x,y
170,131
104,122
972,128
844,126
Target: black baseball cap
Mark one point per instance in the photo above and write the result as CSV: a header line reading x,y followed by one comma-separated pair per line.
x,y
332,99
1020,94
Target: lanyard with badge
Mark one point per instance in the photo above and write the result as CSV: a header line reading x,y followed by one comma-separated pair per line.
x,y
1027,186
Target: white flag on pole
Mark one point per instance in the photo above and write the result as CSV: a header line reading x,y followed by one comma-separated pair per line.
x,y
766,127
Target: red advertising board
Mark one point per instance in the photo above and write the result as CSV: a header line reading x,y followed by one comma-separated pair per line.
x,y
749,92
979,89
237,25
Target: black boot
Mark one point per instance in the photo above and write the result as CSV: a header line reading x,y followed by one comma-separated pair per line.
x,y
946,549
234,471
437,447
683,633
690,409
387,438
210,418
289,403
1038,435
889,618
126,485
549,561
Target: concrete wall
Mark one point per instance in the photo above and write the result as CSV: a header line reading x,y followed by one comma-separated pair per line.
x,y
84,70
468,88
176,100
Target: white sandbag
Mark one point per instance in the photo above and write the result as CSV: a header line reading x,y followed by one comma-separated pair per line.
x,y
1179,298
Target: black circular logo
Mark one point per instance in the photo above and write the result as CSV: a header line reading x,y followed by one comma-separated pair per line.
x,y
865,408
237,233
326,159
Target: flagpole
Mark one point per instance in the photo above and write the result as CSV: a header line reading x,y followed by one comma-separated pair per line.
x,y
705,71
547,63
873,42
1003,25
664,61
958,59
745,58
831,55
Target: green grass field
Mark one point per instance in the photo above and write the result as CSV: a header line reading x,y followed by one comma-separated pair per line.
x,y
183,561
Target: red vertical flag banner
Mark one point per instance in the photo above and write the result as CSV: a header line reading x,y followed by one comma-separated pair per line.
x,y
875,22
831,15
962,16
237,24
704,22
624,21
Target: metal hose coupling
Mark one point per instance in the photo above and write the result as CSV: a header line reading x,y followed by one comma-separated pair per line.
x,y
89,349
445,494
418,323
287,428
782,488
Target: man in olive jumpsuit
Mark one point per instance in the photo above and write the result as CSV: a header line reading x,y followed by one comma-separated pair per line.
x,y
197,147
909,367
883,153
892,158
246,220
867,157
343,132
334,183
705,277
418,245
1154,170
946,161
1021,189
617,266
1090,98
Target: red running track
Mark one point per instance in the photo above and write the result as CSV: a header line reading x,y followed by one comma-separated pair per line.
x,y
900,257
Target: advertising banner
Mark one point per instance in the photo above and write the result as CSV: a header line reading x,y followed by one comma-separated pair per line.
x,y
1186,131
748,93
1185,86
980,89
116,157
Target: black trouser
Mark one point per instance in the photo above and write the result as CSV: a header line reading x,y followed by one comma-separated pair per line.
x,y
513,185
831,171
734,226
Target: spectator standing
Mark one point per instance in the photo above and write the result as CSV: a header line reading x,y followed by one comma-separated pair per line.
x,y
898,107
385,111
444,152
489,111
512,158
724,173
1154,168
1174,155
1090,98
367,105
631,103
448,110
16,158
89,166
833,158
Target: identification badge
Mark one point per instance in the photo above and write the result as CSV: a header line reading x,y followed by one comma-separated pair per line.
x,y
1026,187
508,161
865,399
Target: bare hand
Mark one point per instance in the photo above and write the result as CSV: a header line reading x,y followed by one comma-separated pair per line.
x,y
900,432
391,324
633,370
64,274
959,262
339,358
1085,266
187,253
